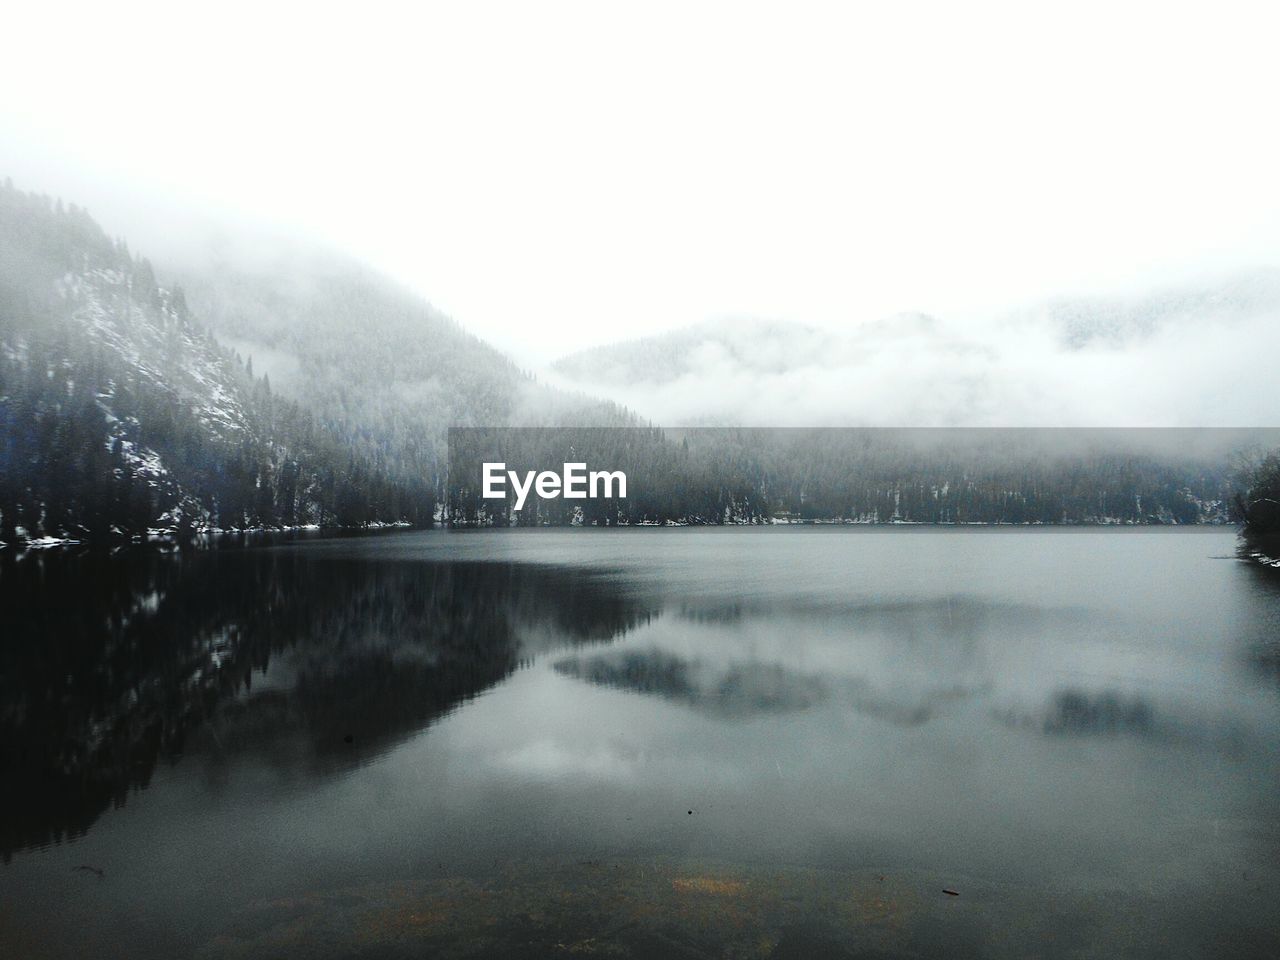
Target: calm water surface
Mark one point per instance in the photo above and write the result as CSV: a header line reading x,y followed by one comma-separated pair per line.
x,y
647,743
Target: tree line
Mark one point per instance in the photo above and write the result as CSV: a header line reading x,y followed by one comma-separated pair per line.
x,y
120,414
729,475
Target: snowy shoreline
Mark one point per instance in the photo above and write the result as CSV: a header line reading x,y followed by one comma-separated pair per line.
x,y
842,522
1262,559
168,536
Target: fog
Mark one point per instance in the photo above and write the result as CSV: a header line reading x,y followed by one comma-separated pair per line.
x,y
1184,357
567,177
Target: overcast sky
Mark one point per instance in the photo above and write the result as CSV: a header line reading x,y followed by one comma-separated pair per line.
x,y
558,175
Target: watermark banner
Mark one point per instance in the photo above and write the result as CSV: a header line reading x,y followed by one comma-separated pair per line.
x,y
539,476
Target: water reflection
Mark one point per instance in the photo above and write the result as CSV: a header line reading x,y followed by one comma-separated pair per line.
x,y
1260,621
1106,713
735,690
742,689
646,746
109,666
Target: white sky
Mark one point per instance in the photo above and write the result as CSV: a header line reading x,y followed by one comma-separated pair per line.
x,y
559,175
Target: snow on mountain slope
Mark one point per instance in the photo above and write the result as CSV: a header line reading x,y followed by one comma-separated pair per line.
x,y
152,339
361,350
119,412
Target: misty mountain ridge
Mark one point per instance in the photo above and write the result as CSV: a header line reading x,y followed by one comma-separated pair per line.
x,y
755,344
1114,321
362,351
128,404
120,413
1188,356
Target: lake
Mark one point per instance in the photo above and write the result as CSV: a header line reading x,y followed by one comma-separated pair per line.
x,y
738,742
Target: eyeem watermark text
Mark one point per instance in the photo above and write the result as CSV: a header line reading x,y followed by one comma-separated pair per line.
x,y
574,483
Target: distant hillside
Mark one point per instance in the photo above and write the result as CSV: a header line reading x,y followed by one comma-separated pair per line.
x,y
756,345
1113,321
119,413
873,476
1192,356
366,355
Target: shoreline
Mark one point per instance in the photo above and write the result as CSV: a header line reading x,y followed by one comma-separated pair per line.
x,y
167,541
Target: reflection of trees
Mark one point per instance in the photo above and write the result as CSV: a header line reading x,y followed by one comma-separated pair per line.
x,y
738,689
1110,714
1261,549
109,665
1080,712
1262,615
745,689
924,656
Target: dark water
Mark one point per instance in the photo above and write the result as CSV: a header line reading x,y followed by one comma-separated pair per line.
x,y
658,743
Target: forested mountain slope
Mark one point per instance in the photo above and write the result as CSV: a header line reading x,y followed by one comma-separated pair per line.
x,y
120,413
367,355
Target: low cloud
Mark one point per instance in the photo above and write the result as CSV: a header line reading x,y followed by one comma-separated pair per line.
x,y
1190,357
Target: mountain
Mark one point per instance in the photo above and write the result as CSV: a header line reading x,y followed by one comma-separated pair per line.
x,y
759,346
770,373
269,385
1114,321
120,413
1184,356
364,354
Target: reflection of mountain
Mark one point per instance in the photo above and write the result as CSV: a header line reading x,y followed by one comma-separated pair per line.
x,y
348,658
1105,714
1075,711
742,689
906,707
736,690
